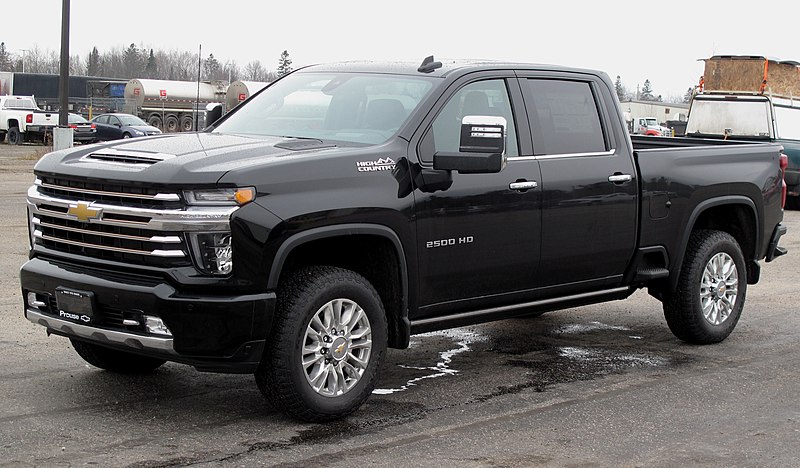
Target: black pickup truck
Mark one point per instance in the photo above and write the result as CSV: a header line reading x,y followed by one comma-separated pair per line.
x,y
346,207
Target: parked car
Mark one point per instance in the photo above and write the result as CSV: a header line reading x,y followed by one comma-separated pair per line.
x,y
83,131
116,126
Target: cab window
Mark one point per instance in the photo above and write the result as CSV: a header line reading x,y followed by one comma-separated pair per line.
x,y
564,118
485,98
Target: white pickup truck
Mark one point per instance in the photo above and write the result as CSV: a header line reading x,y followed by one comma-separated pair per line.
x,y
23,121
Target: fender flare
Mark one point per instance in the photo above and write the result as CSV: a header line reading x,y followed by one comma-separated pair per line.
x,y
699,210
324,232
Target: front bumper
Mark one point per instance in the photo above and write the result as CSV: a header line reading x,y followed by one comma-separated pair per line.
x,y
218,333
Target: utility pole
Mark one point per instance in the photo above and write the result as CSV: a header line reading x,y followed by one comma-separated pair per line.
x,y
24,51
62,136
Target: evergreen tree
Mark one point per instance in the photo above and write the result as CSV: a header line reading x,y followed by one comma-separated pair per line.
x,y
647,92
93,67
620,89
211,68
151,69
5,59
284,64
132,62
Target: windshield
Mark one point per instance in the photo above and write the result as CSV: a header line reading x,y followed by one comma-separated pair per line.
x,y
75,118
346,107
131,120
734,117
652,122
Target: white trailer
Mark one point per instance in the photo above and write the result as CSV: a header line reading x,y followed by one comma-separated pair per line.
x,y
239,91
171,105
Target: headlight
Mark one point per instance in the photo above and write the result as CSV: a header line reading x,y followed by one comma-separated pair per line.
x,y
213,252
137,132
221,196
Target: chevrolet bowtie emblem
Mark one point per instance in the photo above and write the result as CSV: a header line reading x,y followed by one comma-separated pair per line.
x,y
83,212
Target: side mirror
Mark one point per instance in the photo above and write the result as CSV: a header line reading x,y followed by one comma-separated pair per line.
x,y
481,148
213,113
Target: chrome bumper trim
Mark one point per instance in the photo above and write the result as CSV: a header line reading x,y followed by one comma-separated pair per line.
x,y
101,336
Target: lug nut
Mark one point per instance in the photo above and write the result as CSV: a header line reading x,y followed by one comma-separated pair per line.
x,y
326,339
323,351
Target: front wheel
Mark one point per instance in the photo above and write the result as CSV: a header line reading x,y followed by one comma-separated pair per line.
x,y
115,361
711,289
126,135
327,345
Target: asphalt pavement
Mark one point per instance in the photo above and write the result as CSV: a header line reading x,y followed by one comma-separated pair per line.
x,y
604,385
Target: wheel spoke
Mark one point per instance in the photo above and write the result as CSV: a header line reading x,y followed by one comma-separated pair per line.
x,y
358,362
334,378
361,344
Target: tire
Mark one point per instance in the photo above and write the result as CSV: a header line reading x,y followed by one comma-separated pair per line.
x,y
2,137
126,135
115,361
155,121
187,123
334,383
171,124
14,136
702,310
793,202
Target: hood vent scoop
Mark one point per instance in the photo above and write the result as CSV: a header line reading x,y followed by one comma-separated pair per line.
x,y
127,158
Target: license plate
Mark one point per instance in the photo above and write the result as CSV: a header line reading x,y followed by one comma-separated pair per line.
x,y
75,305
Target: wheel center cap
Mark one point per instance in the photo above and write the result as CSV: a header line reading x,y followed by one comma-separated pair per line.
x,y
721,290
339,348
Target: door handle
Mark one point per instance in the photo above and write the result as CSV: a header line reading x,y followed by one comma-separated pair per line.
x,y
523,185
620,178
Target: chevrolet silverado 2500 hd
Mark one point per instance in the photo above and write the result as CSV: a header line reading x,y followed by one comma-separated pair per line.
x,y
346,207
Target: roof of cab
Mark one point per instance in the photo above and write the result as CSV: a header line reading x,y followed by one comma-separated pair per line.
x,y
448,67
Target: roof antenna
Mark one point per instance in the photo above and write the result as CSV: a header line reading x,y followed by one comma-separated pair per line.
x,y
428,65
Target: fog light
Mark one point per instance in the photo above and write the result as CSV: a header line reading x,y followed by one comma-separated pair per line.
x,y
214,252
156,326
34,301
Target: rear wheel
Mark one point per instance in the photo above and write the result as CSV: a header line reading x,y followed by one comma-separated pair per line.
x,y
327,345
115,361
155,121
14,136
793,202
171,124
711,289
187,123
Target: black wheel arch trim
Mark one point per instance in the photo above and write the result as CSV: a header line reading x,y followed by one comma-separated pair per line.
x,y
403,331
699,210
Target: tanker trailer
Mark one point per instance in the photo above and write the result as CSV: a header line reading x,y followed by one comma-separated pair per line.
x,y
170,105
238,91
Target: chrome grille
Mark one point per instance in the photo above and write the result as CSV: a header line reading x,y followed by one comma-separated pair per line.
x,y
104,192
117,226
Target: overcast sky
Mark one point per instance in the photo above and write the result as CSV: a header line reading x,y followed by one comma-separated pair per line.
x,y
637,40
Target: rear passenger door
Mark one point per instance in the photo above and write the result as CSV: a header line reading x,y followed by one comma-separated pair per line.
x,y
589,186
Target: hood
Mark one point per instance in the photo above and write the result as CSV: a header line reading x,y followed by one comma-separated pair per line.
x,y
192,159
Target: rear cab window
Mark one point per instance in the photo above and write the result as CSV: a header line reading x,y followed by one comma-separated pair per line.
x,y
564,117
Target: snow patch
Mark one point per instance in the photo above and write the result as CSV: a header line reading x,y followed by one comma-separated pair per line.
x,y
462,338
576,328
